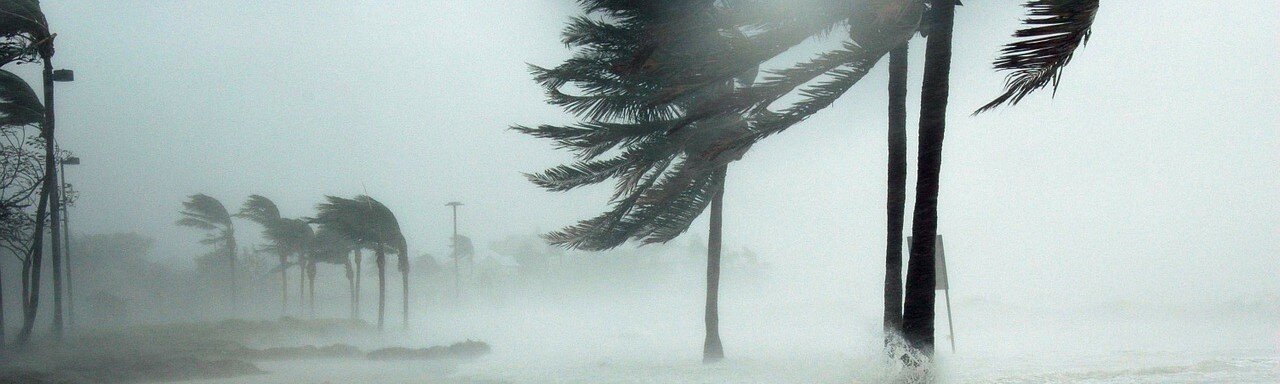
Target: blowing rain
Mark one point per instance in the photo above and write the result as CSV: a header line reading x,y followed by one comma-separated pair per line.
x,y
592,191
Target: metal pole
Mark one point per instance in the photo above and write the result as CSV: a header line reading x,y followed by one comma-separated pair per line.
x,y
950,326
946,293
55,214
66,239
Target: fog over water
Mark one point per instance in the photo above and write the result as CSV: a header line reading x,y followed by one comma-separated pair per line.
x,y
1124,229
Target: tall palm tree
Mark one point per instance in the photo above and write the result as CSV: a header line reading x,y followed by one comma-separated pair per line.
x,y
24,35
1055,30
896,199
21,176
208,214
263,211
675,145
369,224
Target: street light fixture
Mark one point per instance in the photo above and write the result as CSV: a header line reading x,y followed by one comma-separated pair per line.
x,y
64,75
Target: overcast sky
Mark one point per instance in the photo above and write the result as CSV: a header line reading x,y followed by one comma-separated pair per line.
x,y
1151,175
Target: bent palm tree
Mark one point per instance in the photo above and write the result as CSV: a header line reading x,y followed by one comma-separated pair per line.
x,y
208,214
295,237
650,75
675,145
263,211
370,225
20,109
24,35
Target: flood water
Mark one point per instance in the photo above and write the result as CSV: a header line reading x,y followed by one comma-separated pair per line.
x,y
1236,366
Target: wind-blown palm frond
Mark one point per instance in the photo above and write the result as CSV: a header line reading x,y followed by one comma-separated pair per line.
x,y
674,97
207,213
260,210
362,220
24,32
294,235
19,105
1055,29
330,247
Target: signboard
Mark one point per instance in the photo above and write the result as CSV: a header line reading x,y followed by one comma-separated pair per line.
x,y
939,263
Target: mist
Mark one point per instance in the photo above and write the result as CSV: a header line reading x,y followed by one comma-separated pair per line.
x,y
1120,226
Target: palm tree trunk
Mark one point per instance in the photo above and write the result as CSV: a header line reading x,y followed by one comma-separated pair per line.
x,y
380,258
917,314
355,307
351,285
712,350
404,284
32,275
302,285
231,258
284,284
896,200
311,286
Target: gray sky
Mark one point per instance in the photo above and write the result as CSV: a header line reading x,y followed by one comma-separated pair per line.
x,y
1150,176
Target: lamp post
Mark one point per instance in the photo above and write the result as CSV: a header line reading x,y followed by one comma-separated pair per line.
x,y
66,235
457,288
55,206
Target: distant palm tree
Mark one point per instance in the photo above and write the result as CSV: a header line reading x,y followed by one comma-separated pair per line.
x,y
295,237
263,211
208,214
369,224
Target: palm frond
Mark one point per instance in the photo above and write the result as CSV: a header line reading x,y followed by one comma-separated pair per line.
x,y
362,220
1055,29
24,30
260,210
202,211
19,105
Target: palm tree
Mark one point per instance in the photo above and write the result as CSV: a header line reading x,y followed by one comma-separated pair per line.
x,y
369,224
25,35
263,211
294,236
1055,30
21,175
675,146
208,214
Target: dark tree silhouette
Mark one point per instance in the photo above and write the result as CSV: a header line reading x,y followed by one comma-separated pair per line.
x,y
21,172
208,214
370,225
263,211
896,199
